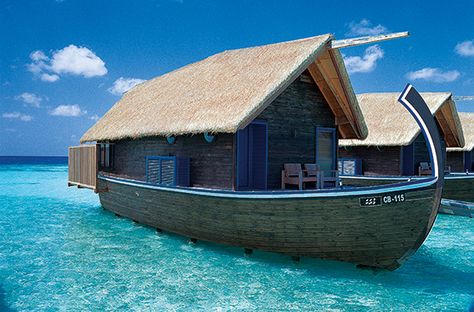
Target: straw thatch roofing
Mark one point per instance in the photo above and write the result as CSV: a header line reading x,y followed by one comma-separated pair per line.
x,y
467,122
225,92
390,124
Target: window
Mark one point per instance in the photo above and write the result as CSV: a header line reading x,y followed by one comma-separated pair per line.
x,y
106,155
168,170
350,166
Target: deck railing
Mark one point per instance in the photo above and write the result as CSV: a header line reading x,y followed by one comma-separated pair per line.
x,y
82,166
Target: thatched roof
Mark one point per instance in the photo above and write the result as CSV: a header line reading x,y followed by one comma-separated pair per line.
x,y
390,124
225,92
467,122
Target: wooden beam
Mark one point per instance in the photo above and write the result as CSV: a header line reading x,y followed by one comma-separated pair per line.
x,y
445,119
330,97
463,98
329,73
344,43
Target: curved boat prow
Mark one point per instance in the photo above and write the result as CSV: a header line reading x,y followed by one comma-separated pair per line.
x,y
414,103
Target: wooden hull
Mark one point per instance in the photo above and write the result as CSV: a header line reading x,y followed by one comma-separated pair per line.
x,y
457,186
321,226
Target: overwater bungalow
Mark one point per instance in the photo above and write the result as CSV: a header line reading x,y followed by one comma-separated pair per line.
x,y
461,159
241,149
395,149
395,145
459,183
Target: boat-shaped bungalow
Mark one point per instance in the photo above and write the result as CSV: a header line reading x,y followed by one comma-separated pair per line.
x,y
201,152
461,162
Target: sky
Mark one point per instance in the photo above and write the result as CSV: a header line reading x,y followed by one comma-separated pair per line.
x,y
64,63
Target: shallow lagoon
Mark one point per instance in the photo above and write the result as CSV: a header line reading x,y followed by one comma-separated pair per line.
x,y
61,251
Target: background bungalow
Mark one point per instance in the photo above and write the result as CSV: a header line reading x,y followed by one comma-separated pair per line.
x,y
232,120
395,145
461,159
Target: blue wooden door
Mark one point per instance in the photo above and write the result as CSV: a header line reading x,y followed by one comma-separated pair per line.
x,y
408,160
468,163
243,159
326,148
252,157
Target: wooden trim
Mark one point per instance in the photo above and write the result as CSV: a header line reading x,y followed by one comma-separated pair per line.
x,y
340,79
287,194
338,102
445,119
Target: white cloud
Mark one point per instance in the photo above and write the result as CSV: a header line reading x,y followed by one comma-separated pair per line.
x,y
49,77
366,63
434,75
122,85
77,61
365,28
72,60
17,115
29,98
67,111
38,64
94,117
38,56
465,48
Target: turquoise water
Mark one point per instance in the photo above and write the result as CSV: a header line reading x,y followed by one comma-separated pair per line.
x,y
60,251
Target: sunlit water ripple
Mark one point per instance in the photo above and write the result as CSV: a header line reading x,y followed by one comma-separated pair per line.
x,y
61,251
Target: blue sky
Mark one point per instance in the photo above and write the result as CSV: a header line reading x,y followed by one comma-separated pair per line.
x,y
61,62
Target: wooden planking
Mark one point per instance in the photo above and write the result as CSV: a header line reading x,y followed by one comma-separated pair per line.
x,y
456,161
292,120
211,163
82,166
384,160
326,228
459,189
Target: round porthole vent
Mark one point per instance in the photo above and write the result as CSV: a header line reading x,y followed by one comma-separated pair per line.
x,y
209,137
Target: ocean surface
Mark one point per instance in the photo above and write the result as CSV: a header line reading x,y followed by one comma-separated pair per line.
x,y
59,250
